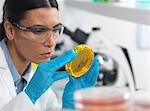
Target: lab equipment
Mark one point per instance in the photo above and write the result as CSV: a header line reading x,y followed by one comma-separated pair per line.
x,y
78,35
87,80
82,63
102,99
46,74
140,101
116,66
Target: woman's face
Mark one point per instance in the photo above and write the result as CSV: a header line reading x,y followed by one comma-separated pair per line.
x,y
37,46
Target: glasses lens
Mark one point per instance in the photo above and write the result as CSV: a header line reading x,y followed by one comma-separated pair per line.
x,y
57,31
38,29
42,31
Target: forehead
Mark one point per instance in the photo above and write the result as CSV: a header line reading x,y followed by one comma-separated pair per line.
x,y
41,16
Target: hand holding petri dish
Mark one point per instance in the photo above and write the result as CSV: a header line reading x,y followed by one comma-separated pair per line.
x,y
81,64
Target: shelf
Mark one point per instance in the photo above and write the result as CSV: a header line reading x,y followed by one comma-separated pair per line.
x,y
136,15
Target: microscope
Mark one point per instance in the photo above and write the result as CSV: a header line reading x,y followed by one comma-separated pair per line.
x,y
115,64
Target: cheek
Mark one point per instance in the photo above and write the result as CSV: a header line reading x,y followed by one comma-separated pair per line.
x,y
30,49
26,48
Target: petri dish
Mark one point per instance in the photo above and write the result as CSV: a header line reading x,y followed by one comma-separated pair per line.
x,y
140,101
102,99
81,64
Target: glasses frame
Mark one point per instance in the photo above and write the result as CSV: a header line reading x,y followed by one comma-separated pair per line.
x,y
30,28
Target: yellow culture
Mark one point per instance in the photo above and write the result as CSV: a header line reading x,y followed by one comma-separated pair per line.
x,y
81,64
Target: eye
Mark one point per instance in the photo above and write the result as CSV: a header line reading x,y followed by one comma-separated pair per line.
x,y
56,30
38,30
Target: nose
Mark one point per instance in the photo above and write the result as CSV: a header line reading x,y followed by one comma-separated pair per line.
x,y
50,41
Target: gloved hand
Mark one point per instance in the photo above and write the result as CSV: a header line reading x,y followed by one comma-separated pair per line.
x,y
87,80
46,74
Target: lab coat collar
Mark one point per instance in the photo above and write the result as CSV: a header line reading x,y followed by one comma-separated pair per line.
x,y
6,75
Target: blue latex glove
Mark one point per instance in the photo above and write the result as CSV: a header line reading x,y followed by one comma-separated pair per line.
x,y
85,81
46,74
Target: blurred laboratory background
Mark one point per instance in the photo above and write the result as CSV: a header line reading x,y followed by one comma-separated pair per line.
x,y
118,31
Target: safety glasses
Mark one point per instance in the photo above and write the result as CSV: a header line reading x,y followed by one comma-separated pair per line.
x,y
41,31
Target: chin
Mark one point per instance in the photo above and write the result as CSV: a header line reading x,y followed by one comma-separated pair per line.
x,y
46,60
42,60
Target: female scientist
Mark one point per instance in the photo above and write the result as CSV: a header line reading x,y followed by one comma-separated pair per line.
x,y
28,33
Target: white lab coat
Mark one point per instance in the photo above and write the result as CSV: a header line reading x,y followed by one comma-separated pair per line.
x,y
9,101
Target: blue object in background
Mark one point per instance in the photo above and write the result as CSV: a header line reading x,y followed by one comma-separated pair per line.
x,y
144,4
143,31
101,1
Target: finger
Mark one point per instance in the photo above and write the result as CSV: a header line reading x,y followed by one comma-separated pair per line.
x,y
72,79
93,73
89,74
96,73
60,75
60,61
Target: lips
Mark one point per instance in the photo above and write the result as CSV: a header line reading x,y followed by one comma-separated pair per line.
x,y
47,55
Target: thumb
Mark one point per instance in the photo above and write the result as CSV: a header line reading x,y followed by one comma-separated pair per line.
x,y
60,75
72,79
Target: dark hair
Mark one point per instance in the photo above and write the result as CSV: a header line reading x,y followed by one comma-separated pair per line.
x,y
14,10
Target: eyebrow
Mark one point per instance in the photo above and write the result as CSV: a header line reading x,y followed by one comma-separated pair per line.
x,y
57,25
46,26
